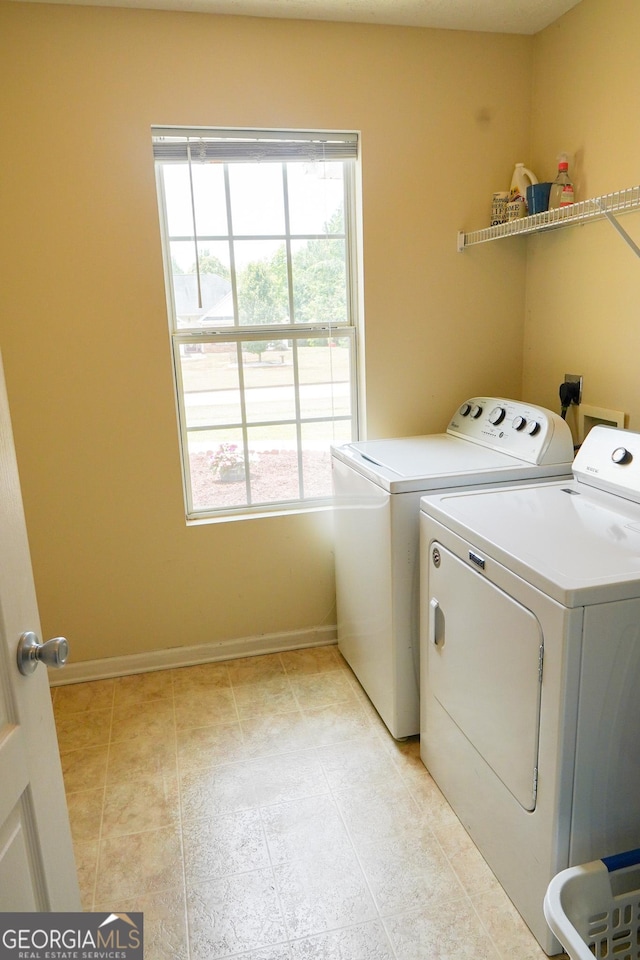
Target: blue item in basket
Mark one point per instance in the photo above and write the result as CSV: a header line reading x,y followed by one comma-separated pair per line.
x,y
620,860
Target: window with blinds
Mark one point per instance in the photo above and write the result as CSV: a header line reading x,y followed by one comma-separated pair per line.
x,y
259,242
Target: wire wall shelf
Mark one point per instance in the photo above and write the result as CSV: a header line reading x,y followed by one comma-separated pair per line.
x,y
618,202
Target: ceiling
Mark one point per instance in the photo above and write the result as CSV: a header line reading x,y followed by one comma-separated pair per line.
x,y
499,16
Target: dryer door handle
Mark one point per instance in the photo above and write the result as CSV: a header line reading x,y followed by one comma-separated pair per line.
x,y
436,622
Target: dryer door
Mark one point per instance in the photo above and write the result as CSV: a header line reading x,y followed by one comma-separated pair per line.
x,y
485,669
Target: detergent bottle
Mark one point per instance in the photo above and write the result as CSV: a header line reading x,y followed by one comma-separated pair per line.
x,y
517,205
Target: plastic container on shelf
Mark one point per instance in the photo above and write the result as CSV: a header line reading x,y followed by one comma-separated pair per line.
x,y
594,909
521,179
561,193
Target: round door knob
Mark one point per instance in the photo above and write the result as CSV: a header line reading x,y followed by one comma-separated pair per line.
x,y
476,410
53,653
497,415
621,455
519,423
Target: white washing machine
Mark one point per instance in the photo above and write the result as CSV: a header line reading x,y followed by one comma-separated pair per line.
x,y
530,632
377,487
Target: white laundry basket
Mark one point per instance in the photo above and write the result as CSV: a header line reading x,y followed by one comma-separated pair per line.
x,y
594,909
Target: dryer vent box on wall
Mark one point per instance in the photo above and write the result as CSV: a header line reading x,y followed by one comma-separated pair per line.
x,y
591,416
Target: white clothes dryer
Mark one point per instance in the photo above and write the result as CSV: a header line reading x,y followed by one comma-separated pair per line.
x,y
530,631
377,485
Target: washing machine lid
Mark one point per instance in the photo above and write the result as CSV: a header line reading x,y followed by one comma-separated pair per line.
x,y
488,440
438,461
432,455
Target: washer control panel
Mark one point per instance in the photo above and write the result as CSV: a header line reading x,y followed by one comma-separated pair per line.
x,y
518,429
609,459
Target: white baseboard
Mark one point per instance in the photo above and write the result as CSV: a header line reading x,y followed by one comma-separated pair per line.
x,y
188,656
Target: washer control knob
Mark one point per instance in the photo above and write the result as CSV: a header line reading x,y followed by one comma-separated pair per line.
x,y
519,423
464,409
621,455
533,428
476,411
497,415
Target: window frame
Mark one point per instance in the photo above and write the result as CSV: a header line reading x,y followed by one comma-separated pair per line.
x,y
239,332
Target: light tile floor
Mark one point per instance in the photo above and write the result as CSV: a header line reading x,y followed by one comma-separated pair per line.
x,y
259,808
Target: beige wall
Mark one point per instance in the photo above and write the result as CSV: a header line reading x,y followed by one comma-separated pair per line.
x,y
83,332
583,283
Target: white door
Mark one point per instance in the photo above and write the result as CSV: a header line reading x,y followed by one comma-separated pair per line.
x,y
37,868
484,668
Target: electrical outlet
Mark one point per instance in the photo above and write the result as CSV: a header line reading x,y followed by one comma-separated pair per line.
x,y
575,378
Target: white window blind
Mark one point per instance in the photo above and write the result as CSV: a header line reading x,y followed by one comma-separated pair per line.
x,y
252,146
